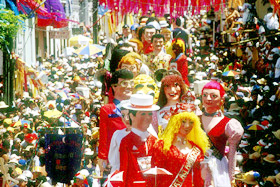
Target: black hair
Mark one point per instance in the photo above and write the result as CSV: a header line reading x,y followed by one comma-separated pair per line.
x,y
140,32
151,19
140,19
116,58
269,10
178,22
123,74
149,27
123,45
157,36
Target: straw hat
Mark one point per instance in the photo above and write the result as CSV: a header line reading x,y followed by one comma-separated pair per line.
x,y
255,155
250,177
271,179
141,102
278,178
270,158
276,134
262,81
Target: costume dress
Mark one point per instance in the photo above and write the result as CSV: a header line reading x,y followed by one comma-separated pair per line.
x,y
110,121
181,64
222,168
135,145
172,161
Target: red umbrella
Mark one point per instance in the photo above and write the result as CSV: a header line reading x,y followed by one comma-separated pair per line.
x,y
156,171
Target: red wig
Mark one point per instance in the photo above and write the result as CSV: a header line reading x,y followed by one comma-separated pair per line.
x,y
167,81
214,85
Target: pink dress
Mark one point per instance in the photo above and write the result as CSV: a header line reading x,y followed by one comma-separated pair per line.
x,y
222,168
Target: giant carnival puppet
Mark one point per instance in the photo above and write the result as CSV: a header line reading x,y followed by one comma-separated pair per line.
x,y
221,131
180,151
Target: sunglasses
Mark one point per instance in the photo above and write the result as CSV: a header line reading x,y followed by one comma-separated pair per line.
x,y
125,83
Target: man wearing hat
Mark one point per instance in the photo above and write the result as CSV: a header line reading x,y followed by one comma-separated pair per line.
x,y
136,146
126,33
110,115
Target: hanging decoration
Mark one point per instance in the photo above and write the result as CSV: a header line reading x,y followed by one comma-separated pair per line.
x,y
161,7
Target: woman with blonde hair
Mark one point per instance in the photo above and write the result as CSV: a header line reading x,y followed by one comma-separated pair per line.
x,y
180,150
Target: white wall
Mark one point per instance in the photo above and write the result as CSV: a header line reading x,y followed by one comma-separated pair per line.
x,y
25,43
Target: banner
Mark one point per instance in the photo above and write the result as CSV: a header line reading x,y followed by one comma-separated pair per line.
x,y
60,34
63,156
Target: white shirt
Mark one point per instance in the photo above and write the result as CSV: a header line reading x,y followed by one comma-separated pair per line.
x,y
114,154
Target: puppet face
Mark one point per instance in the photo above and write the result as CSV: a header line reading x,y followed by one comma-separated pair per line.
x,y
211,100
144,84
158,44
148,33
131,67
123,89
186,127
143,119
173,92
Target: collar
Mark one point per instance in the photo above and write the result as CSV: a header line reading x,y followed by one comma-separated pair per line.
x,y
178,56
215,114
117,103
143,135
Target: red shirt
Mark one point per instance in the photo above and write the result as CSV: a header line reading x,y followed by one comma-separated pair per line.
x,y
110,121
147,47
131,148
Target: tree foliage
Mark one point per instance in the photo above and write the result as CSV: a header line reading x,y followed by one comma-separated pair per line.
x,y
9,26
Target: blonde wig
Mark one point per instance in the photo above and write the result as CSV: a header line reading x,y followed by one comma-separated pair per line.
x,y
196,135
131,59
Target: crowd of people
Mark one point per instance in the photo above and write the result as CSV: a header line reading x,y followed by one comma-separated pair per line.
x,y
164,95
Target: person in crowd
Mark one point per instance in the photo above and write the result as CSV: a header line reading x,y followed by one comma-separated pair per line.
x,y
134,29
126,33
220,130
110,116
167,40
179,62
135,148
178,31
180,151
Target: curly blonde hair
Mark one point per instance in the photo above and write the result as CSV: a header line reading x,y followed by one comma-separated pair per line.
x,y
196,135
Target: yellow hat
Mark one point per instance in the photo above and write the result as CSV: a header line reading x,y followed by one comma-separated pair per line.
x,y
18,171
8,121
76,78
10,129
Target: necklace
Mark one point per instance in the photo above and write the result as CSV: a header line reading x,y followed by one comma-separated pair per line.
x,y
181,140
215,114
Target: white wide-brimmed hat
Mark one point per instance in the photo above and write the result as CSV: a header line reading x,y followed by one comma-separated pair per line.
x,y
141,102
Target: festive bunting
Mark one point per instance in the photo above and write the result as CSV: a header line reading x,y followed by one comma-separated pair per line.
x,y
176,7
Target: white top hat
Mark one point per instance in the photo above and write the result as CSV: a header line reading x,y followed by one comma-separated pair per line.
x,y
141,102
